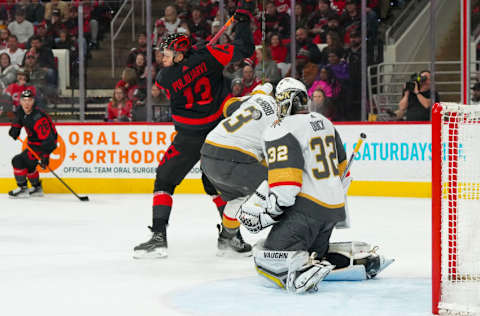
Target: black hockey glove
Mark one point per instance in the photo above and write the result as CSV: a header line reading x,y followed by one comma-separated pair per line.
x,y
14,132
245,10
44,161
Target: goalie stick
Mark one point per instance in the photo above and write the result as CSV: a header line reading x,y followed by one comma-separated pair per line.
x,y
81,198
346,223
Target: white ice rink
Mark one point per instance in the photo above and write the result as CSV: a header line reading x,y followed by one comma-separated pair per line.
x,y
60,256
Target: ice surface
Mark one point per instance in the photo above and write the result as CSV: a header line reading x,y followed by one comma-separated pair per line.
x,y
59,256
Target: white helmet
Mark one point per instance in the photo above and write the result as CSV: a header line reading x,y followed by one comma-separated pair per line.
x,y
291,96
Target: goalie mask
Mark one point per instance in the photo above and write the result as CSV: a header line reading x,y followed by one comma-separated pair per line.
x,y
291,96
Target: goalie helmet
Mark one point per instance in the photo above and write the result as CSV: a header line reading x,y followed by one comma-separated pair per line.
x,y
291,96
178,42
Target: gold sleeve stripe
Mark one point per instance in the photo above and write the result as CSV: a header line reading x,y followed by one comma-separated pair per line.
x,y
257,92
228,103
277,281
311,198
293,176
341,167
246,152
231,223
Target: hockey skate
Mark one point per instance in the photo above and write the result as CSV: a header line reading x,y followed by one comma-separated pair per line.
x,y
155,248
232,244
36,190
376,263
20,192
307,277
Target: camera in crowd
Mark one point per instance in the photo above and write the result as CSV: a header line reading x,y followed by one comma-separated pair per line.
x,y
415,79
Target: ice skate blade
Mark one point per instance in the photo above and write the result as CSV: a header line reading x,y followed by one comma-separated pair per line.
x,y
229,253
21,196
38,194
159,253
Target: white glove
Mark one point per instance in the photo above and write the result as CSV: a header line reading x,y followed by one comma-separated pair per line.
x,y
346,183
259,210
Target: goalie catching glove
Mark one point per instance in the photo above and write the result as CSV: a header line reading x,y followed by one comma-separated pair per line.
x,y
260,210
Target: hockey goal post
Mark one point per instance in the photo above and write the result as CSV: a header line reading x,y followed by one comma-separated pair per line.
x,y
456,209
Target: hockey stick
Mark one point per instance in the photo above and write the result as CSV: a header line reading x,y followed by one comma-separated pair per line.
x,y
81,198
221,31
355,152
346,223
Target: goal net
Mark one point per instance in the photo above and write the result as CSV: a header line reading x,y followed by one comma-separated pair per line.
x,y
456,209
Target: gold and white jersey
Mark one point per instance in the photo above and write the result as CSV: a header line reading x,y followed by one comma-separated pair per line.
x,y
242,130
305,158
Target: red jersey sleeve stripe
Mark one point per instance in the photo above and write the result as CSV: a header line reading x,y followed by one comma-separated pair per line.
x,y
222,53
164,89
277,184
200,121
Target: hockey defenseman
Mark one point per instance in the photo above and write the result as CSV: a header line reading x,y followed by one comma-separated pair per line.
x,y
193,81
232,158
303,199
42,138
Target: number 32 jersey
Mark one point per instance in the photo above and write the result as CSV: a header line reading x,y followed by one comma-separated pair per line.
x,y
306,158
238,137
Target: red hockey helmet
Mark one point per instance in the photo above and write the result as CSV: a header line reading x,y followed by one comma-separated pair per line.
x,y
178,42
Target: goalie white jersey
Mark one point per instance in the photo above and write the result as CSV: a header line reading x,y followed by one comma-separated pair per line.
x,y
306,158
241,131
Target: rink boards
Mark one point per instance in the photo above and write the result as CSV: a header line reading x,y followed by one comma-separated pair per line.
x,y
122,158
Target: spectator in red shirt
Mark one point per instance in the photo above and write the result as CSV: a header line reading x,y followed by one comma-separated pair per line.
x,y
278,51
128,81
120,108
15,89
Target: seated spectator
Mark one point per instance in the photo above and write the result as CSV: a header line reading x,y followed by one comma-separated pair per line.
x,y
140,68
35,11
301,18
55,24
171,19
44,59
303,41
276,22
120,108
16,54
267,71
210,9
158,63
14,90
42,33
321,104
332,26
237,87
334,43
102,14
64,41
306,70
278,51
7,11
327,82
234,70
4,33
249,80
338,66
62,6
183,9
199,28
21,28
161,106
139,108
8,71
38,78
140,49
319,18
159,32
128,82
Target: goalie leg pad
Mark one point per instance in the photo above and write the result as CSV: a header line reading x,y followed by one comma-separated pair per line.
x,y
355,261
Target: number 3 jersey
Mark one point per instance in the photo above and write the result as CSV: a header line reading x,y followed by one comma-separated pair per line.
x,y
239,136
306,158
